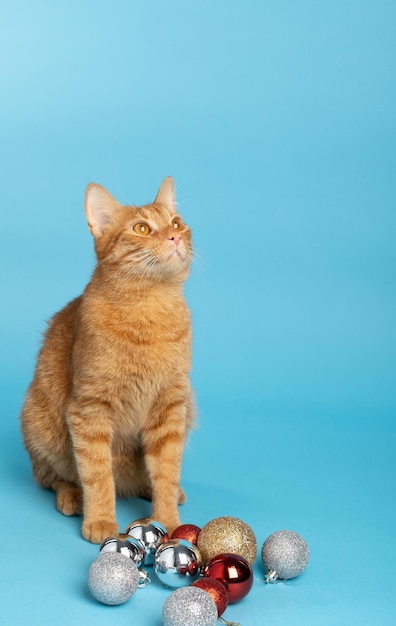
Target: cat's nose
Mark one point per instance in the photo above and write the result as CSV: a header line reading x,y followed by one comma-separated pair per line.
x,y
175,237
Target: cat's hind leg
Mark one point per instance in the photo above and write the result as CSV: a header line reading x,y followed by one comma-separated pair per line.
x,y
69,498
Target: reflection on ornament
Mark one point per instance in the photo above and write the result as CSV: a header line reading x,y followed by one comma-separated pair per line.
x,y
227,534
177,563
189,532
112,578
127,546
216,590
285,554
152,534
234,572
189,606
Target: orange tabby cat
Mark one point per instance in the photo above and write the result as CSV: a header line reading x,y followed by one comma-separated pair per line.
x,y
110,404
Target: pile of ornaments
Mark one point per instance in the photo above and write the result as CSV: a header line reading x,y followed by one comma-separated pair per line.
x,y
206,568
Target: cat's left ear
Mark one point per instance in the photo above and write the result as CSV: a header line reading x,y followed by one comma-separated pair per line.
x,y
166,194
100,207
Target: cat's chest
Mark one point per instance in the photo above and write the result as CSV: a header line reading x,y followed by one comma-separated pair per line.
x,y
143,375
130,361
156,318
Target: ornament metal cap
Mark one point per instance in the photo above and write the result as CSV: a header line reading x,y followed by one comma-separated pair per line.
x,y
271,576
144,579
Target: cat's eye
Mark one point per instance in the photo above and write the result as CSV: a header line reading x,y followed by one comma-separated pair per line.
x,y
142,229
176,223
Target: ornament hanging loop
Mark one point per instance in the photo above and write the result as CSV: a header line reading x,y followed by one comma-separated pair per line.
x,y
228,623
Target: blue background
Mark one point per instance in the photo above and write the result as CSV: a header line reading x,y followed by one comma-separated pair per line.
x,y
277,120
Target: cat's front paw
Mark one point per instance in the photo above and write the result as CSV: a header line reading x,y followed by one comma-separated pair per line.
x,y
98,531
170,524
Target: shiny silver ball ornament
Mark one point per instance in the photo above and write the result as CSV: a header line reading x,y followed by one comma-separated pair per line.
x,y
285,554
152,534
177,563
189,606
113,579
127,546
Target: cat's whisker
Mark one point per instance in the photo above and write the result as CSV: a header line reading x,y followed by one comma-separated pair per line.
x,y
150,264
196,261
127,273
137,267
134,267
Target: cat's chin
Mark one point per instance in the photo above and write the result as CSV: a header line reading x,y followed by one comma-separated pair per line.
x,y
174,264
176,257
175,254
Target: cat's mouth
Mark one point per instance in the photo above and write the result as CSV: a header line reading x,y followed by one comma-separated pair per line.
x,y
175,253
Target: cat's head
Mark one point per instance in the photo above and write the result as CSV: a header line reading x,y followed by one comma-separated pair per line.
x,y
149,242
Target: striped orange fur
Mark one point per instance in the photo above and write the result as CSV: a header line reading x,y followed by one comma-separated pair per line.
x,y
110,404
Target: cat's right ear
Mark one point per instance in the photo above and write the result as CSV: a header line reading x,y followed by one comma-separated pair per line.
x,y
100,207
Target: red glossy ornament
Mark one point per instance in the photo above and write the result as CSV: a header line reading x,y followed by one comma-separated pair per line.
x,y
234,572
216,590
189,532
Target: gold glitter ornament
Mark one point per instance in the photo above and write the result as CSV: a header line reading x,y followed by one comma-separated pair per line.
x,y
227,534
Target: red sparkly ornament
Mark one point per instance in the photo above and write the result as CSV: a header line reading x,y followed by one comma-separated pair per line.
x,y
189,532
216,590
234,572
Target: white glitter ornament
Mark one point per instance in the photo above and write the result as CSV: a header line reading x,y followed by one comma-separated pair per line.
x,y
189,606
112,578
285,554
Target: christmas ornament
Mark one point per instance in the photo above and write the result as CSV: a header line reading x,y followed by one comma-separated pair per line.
x,y
189,532
112,578
234,572
216,590
227,534
285,554
177,563
152,534
189,606
128,546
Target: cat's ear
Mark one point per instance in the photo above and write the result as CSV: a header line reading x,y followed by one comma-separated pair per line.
x,y
166,194
100,207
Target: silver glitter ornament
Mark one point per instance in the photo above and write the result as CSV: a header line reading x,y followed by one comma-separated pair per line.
x,y
189,606
285,554
113,579
177,563
128,546
152,534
